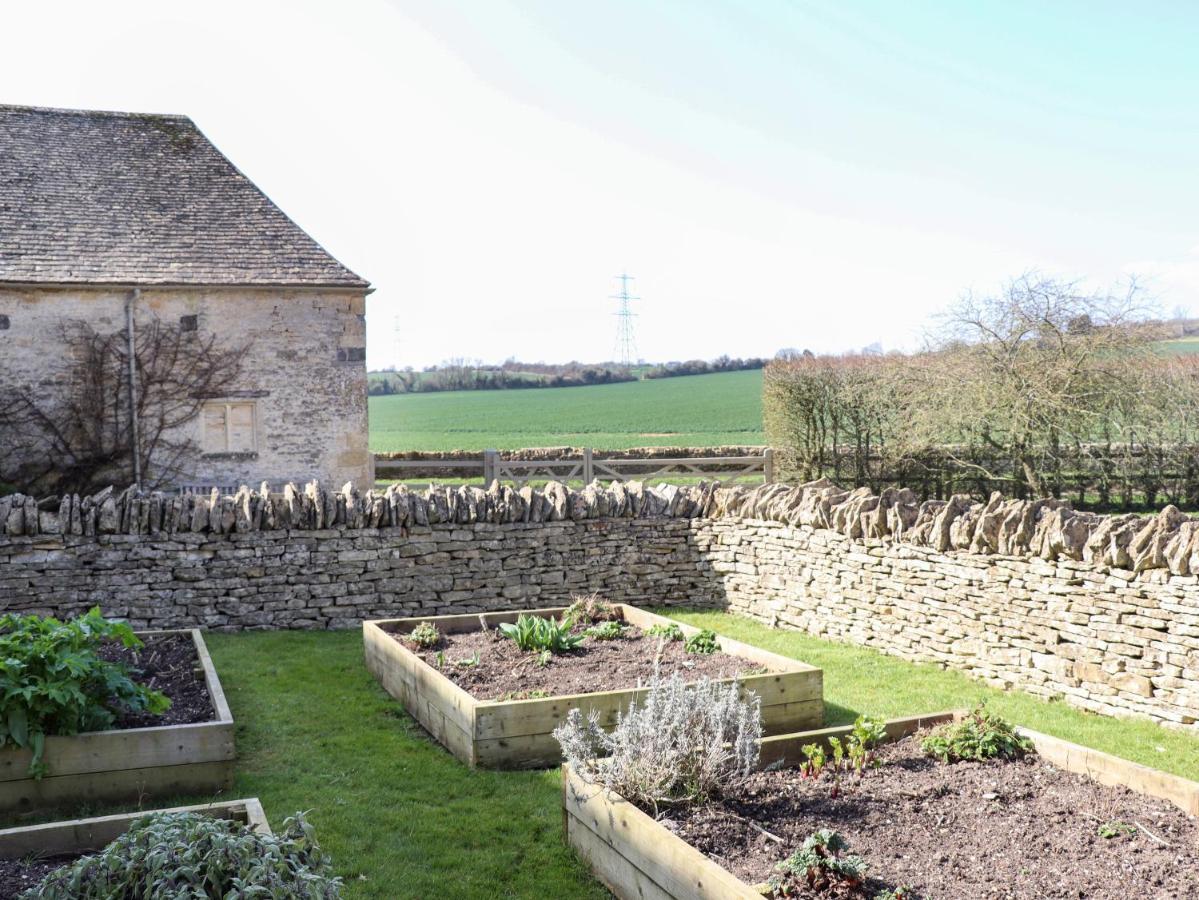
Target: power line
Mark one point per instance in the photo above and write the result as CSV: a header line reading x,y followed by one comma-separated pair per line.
x,y
626,344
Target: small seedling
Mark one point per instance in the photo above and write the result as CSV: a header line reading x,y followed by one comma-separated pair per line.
x,y
605,631
1115,829
814,760
822,866
469,662
981,735
670,632
544,658
439,659
425,635
703,642
903,892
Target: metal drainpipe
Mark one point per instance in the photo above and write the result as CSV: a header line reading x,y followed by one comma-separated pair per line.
x,y
132,382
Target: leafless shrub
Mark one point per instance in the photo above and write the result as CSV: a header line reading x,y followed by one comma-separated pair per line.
x,y
681,745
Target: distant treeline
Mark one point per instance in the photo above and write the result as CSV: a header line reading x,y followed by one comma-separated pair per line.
x,y
466,375
703,367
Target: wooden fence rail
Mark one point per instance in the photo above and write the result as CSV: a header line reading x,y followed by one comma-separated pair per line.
x,y
490,466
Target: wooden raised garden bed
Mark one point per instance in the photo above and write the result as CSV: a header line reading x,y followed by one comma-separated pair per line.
x,y
512,734
638,857
128,763
80,836
34,851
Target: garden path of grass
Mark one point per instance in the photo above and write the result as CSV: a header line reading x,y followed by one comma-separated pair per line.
x,y
402,818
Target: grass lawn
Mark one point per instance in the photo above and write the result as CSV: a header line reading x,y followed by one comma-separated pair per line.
x,y
404,819
693,411
401,817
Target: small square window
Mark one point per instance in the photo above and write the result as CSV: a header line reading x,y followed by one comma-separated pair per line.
x,y
229,427
3,323
189,323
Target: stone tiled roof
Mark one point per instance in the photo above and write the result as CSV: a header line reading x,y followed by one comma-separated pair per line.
x,y
121,198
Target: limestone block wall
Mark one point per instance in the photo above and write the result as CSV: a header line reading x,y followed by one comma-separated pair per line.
x,y
1102,612
1103,639
305,371
336,577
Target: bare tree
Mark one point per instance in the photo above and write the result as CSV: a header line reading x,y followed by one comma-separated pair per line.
x,y
1037,369
76,434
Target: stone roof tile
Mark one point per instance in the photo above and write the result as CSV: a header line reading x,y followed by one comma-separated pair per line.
x,y
92,197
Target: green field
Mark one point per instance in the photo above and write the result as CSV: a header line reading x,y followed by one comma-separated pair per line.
x,y
692,411
1178,347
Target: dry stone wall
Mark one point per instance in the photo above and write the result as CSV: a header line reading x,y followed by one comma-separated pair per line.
x,y
336,577
1103,639
1102,611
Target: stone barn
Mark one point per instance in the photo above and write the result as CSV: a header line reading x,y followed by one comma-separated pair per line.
x,y
111,218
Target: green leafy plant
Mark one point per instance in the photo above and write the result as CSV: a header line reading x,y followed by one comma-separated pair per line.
x,y
469,662
981,735
536,633
820,865
425,635
1115,829
814,760
589,609
671,632
54,682
192,855
702,642
605,631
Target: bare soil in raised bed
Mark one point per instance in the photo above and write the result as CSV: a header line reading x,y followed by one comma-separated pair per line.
x,y
504,669
167,663
19,875
984,831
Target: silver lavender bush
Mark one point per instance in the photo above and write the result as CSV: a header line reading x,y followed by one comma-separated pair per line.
x,y
683,744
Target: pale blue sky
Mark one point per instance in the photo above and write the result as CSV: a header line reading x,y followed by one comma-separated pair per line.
x,y
774,173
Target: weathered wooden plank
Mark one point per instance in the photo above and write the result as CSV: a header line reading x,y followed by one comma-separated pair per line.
x,y
1112,770
523,717
388,654
673,865
130,748
116,785
88,835
618,875
211,681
